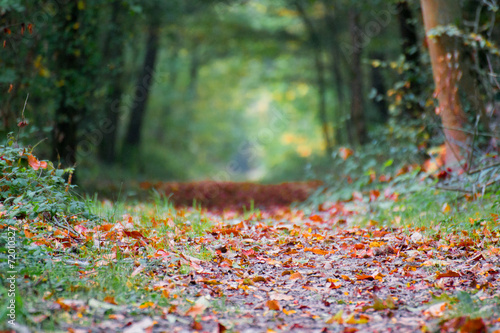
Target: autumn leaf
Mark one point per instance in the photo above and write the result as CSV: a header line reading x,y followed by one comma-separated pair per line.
x,y
196,310
436,310
344,153
36,164
337,318
146,305
110,300
447,274
296,276
273,305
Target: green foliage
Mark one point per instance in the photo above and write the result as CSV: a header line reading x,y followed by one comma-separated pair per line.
x,y
32,188
391,149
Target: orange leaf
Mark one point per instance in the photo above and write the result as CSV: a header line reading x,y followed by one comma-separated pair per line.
x,y
110,300
365,277
345,153
296,276
446,208
36,164
374,194
316,218
28,234
447,274
147,305
273,305
196,310
436,310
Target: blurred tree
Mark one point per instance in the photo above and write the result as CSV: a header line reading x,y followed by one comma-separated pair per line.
x,y
315,39
113,55
73,62
142,89
411,52
357,108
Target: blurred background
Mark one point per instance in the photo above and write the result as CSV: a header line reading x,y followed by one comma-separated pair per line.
x,y
256,90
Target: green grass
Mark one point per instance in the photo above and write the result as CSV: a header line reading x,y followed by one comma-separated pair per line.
x,y
427,210
82,275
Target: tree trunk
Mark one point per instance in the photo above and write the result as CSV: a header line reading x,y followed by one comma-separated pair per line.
x,y
411,52
320,76
340,130
357,114
69,110
446,72
378,84
113,54
142,89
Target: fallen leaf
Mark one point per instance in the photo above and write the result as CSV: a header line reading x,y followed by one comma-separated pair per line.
x,y
436,310
447,274
273,305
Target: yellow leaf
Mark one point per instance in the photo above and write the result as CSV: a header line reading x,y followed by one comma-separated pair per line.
x,y
146,305
81,5
288,312
337,318
446,208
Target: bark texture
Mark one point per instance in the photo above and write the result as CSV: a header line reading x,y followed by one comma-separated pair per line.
x,y
446,72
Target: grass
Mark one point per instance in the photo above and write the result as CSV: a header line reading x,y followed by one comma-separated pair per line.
x,y
436,211
85,276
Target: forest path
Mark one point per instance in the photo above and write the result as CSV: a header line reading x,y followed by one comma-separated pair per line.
x,y
285,271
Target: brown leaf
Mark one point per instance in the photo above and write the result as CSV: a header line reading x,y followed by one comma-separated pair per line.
x,y
259,279
197,325
221,328
365,277
447,274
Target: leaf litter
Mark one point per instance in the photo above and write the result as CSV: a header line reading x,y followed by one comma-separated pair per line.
x,y
281,270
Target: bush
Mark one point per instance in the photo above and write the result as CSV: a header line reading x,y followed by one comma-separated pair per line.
x,y
31,188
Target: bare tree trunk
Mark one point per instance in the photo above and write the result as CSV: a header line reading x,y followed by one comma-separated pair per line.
x,y
69,110
378,84
446,72
340,126
113,54
357,114
142,89
411,51
320,75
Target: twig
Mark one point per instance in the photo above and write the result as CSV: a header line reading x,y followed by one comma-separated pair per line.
x,y
470,132
452,189
67,227
484,168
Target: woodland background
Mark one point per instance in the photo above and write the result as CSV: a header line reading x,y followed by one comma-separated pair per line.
x,y
238,90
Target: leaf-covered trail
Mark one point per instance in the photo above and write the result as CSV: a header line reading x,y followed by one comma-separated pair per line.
x,y
286,272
